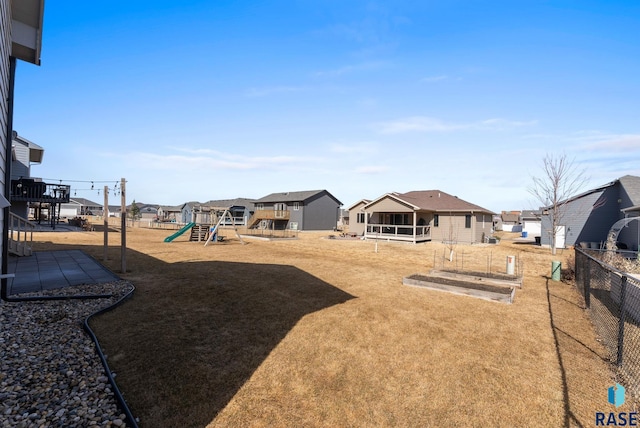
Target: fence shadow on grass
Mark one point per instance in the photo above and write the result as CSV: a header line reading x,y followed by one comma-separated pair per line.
x,y
195,332
570,418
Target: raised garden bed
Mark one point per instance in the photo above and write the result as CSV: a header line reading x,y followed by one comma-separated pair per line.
x,y
470,287
500,279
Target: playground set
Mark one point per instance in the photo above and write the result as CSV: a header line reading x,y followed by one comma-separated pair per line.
x,y
207,232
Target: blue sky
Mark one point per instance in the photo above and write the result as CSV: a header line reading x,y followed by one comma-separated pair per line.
x,y
200,100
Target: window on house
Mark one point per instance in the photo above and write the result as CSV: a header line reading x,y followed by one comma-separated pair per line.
x,y
280,206
360,218
396,219
259,206
296,206
467,221
401,219
436,220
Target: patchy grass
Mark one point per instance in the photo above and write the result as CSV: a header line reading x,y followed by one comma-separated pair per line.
x,y
321,332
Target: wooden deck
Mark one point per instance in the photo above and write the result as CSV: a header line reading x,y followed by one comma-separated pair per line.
x,y
404,233
29,190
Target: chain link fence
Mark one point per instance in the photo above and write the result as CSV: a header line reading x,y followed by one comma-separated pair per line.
x,y
612,297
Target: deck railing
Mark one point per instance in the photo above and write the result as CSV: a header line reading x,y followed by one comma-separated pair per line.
x,y
20,235
259,215
401,232
37,191
237,221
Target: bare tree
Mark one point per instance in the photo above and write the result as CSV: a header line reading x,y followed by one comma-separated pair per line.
x,y
560,180
452,237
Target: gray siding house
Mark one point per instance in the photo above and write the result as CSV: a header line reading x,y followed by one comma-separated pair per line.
x,y
241,209
23,154
168,213
20,39
588,217
305,210
425,215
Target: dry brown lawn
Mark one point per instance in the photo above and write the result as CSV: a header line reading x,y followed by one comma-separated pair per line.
x,y
321,332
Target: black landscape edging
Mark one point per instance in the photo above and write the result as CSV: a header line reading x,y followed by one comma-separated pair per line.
x,y
131,420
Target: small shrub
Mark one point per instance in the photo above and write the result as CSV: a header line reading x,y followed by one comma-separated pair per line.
x,y
568,274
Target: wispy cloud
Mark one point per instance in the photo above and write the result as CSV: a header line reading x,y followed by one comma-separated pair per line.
x,y
611,155
271,90
203,159
431,124
613,142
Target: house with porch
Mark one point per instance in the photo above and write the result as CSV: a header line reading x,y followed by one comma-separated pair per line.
x,y
302,210
588,217
24,153
424,215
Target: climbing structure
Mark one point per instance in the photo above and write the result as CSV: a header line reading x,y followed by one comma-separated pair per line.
x,y
214,230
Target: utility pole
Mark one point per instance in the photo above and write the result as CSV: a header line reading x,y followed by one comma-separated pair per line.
x,y
105,222
123,240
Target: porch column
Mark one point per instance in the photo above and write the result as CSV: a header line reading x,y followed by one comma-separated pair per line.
x,y
473,228
415,218
366,224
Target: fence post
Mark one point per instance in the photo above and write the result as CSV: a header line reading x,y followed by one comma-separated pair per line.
x,y
587,282
623,295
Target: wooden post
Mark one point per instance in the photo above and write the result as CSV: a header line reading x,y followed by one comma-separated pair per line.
x,y
123,222
105,222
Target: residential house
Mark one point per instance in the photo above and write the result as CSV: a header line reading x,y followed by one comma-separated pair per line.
x,y
146,211
20,39
304,210
510,221
24,153
115,211
426,215
531,222
589,216
241,210
80,207
170,213
356,212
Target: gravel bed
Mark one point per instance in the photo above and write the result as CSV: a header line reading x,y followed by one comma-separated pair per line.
x,y
50,372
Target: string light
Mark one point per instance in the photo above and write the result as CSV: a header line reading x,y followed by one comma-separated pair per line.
x,y
80,181
115,188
